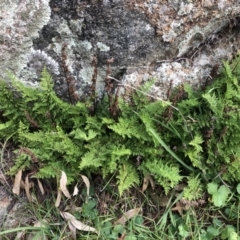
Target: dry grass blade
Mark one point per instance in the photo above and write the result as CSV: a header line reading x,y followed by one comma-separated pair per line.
x,y
77,224
63,185
17,182
87,183
27,189
128,215
59,196
40,187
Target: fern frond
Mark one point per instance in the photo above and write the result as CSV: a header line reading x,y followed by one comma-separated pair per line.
x,y
216,104
194,189
127,177
126,127
194,153
46,82
167,175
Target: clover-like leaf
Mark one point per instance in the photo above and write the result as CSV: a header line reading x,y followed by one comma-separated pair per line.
x,y
219,195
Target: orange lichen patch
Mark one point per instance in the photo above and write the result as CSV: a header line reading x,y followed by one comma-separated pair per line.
x,y
162,14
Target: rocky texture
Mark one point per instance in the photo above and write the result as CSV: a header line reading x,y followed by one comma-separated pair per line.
x,y
20,22
171,41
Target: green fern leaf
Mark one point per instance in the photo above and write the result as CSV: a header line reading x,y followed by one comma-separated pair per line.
x,y
126,127
167,175
216,104
127,177
79,134
194,189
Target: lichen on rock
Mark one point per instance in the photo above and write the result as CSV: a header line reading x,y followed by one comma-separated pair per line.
x,y
165,40
21,21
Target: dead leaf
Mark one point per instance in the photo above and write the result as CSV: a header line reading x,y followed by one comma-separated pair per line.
x,y
59,196
66,215
27,189
178,208
126,216
147,179
20,235
81,226
63,185
151,182
22,184
40,187
77,224
17,182
123,236
42,223
36,235
75,192
145,184
87,183
72,231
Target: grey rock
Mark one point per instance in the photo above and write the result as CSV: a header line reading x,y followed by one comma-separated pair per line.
x,y
21,20
169,41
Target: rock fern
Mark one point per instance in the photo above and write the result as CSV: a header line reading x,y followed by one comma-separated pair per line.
x,y
198,135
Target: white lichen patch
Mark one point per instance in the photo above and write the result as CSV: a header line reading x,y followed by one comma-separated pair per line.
x,y
176,29
86,74
85,45
76,26
174,74
64,29
21,21
169,73
185,8
103,47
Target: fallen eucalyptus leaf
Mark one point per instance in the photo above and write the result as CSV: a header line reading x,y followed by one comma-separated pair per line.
x,y
128,215
63,185
59,196
77,224
75,192
41,235
27,189
17,182
87,183
40,187
178,208
22,185
147,179
72,231
20,235
81,226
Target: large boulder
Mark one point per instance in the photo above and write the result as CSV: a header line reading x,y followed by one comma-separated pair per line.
x,y
170,41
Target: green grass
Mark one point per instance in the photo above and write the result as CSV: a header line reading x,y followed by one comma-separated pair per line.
x,y
154,221
198,147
